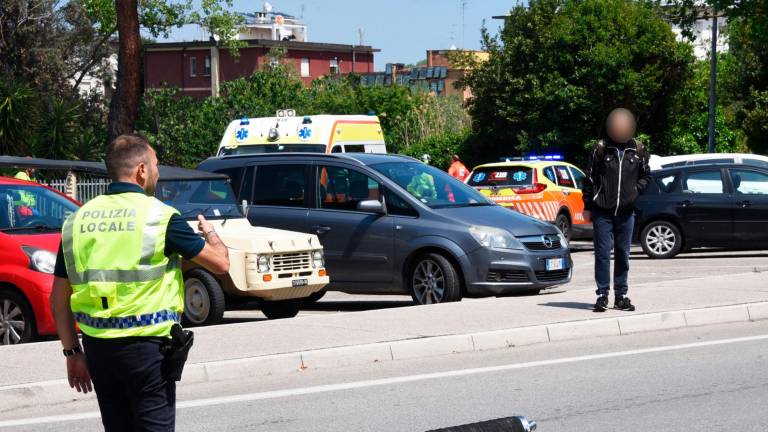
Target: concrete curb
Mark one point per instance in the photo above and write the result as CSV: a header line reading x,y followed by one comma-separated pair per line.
x,y
57,391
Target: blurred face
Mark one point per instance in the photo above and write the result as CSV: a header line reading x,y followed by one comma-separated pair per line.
x,y
148,173
620,126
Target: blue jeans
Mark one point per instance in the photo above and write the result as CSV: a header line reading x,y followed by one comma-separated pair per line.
x,y
612,230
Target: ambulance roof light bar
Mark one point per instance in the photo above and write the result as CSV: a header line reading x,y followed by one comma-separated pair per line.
x,y
286,113
545,157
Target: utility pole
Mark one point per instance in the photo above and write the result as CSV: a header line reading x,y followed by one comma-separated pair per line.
x,y
713,83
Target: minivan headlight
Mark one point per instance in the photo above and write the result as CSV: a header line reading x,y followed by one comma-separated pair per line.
x,y
318,260
491,237
263,263
563,240
40,260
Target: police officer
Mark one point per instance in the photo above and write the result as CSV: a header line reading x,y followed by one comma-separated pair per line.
x,y
118,276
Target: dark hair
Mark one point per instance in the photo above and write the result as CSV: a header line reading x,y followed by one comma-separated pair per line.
x,y
125,153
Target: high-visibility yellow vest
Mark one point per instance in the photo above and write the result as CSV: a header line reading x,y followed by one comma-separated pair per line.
x,y
25,198
123,285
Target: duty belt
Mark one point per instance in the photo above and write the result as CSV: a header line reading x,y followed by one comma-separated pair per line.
x,y
127,322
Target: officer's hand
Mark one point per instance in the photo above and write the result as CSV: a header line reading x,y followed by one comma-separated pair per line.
x,y
587,216
204,226
78,375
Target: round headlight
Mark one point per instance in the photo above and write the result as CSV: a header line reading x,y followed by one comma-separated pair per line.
x,y
40,259
263,263
318,259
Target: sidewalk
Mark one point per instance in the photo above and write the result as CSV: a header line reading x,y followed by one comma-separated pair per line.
x,y
34,373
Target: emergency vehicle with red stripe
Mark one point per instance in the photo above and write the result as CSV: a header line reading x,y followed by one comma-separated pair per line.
x,y
544,187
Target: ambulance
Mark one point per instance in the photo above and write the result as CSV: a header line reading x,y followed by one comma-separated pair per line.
x,y
544,187
287,132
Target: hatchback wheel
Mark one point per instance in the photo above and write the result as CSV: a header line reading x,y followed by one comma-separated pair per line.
x,y
661,239
204,301
17,322
434,280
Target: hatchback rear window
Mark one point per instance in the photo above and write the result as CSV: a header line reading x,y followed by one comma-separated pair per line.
x,y
506,176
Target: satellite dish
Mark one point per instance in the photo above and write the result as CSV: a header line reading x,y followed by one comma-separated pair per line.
x,y
279,20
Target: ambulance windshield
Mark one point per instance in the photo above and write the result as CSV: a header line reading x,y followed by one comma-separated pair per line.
x,y
213,199
273,148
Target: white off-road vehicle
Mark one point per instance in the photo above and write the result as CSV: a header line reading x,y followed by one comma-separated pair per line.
x,y
276,267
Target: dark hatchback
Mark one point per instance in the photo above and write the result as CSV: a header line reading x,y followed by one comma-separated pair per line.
x,y
391,224
723,206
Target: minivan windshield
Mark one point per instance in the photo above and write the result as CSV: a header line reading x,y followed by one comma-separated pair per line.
x,y
273,148
213,199
431,186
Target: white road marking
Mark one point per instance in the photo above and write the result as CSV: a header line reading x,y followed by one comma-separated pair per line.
x,y
250,397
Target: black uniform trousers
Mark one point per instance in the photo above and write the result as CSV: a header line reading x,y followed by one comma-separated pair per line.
x,y
133,394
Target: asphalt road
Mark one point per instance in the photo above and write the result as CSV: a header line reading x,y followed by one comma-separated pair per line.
x,y
708,379
643,270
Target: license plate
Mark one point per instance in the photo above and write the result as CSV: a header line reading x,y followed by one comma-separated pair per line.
x,y
554,264
299,282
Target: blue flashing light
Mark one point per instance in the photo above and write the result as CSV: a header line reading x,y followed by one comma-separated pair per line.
x,y
547,157
244,121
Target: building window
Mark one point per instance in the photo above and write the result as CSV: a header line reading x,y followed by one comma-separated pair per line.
x,y
305,67
334,66
193,66
207,66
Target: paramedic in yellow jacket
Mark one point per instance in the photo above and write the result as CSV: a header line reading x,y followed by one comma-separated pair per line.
x,y
118,276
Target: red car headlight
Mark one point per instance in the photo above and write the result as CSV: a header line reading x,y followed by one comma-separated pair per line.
x,y
40,260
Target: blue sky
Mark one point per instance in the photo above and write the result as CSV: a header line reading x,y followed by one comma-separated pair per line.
x,y
402,29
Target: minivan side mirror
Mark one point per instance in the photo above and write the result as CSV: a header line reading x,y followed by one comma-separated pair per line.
x,y
371,206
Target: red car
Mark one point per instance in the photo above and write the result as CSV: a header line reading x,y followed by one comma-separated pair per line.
x,y
31,217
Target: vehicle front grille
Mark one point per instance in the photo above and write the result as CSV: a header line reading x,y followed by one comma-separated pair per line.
x,y
291,261
552,276
515,276
539,244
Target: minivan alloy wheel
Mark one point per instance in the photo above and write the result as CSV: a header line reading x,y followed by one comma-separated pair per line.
x,y
12,322
661,239
429,282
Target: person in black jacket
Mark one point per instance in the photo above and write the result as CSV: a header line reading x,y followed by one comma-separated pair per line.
x,y
618,174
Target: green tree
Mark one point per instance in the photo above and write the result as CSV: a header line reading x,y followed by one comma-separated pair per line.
x,y
746,77
689,134
743,76
158,17
18,107
559,66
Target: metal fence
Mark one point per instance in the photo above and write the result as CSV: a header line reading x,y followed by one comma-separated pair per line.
x,y
87,189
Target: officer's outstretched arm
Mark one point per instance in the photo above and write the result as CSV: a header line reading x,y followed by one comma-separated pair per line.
x,y
214,256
